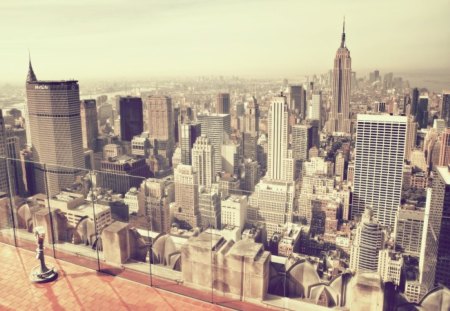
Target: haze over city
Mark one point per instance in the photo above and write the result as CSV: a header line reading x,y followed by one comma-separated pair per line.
x,y
107,40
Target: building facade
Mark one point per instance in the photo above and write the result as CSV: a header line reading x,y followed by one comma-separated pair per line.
x,y
55,129
380,150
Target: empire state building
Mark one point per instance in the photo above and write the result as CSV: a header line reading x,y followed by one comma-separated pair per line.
x,y
340,115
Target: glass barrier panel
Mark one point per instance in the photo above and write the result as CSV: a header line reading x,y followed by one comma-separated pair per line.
x,y
126,241
7,217
28,196
73,215
180,216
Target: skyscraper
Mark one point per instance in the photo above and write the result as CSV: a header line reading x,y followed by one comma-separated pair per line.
x,y
155,195
217,127
251,117
158,116
186,206
369,240
340,107
444,154
301,142
278,138
203,161
380,150
440,210
223,103
189,132
131,117
314,108
296,99
55,128
89,123
415,101
445,107
422,112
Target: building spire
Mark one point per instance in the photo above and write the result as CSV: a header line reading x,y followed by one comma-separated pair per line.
x,y
31,77
343,34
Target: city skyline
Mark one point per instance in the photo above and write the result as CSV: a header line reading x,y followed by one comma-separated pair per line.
x,y
328,191
100,47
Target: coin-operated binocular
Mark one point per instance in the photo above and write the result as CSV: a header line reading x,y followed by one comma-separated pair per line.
x,y
41,273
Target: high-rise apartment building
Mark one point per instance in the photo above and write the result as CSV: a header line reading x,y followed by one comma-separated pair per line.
x,y
89,123
370,238
203,161
278,139
185,210
131,117
380,150
209,208
223,103
340,107
408,231
154,197
271,204
217,127
55,128
445,107
189,132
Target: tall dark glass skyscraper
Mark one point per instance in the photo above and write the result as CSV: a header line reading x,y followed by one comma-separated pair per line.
x,y
445,108
223,103
415,101
131,117
55,127
422,112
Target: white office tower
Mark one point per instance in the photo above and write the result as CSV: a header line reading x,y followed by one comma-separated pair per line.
x,y
217,127
369,240
278,139
314,107
203,161
380,150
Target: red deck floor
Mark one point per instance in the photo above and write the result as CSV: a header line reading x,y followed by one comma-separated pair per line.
x,y
79,288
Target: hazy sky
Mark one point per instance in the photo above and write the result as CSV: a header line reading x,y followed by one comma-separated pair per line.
x,y
112,39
